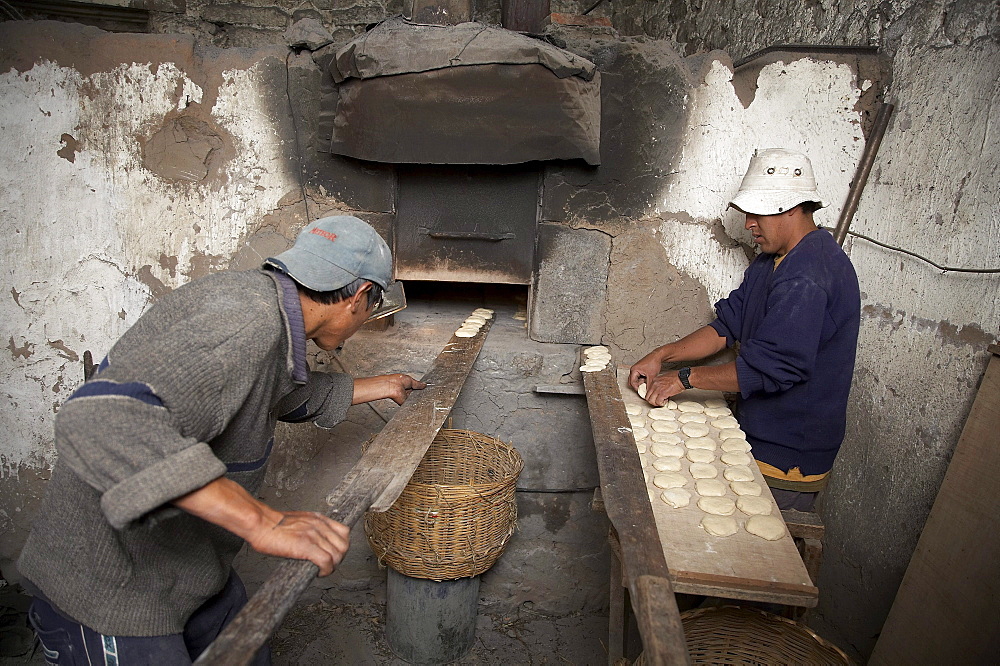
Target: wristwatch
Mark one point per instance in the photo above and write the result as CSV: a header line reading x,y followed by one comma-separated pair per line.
x,y
684,374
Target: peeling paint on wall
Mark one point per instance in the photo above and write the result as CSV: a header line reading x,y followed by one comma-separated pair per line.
x,y
130,219
805,105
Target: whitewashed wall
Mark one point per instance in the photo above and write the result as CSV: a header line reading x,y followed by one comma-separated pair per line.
x,y
806,105
79,228
924,333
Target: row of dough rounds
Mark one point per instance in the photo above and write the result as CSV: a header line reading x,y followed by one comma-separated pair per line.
x,y
676,436
595,359
470,327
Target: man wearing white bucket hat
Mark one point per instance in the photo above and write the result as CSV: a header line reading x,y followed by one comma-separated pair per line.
x,y
795,318
163,451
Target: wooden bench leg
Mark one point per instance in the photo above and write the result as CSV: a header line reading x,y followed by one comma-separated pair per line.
x,y
616,613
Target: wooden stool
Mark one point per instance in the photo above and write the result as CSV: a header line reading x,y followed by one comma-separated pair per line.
x,y
807,531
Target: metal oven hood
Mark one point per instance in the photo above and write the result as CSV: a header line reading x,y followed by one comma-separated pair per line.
x,y
463,94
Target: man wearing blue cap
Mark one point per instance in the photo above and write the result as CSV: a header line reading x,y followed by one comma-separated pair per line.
x,y
162,451
796,317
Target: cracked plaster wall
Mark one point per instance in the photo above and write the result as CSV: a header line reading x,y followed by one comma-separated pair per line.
x,y
924,333
99,220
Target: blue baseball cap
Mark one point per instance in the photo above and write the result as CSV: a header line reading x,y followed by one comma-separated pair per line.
x,y
333,252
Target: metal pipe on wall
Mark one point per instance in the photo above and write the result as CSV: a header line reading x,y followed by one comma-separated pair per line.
x,y
864,169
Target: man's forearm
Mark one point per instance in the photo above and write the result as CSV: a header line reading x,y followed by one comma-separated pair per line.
x,y
693,347
715,377
225,503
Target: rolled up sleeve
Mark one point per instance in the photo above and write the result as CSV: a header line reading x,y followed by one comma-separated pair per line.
x,y
324,399
136,469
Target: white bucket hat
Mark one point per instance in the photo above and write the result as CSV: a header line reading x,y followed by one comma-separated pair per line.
x,y
777,180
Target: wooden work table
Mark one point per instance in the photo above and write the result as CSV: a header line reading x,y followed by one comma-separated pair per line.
x,y
741,566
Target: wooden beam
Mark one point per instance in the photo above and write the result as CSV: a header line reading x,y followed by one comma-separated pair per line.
x,y
373,484
623,489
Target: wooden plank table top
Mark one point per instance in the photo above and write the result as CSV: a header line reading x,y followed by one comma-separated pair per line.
x,y
741,566
624,498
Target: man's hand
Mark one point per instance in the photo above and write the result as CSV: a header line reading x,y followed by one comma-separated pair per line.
x,y
645,369
397,387
300,535
662,387
303,535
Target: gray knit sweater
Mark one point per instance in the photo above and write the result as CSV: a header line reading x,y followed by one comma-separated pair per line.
x,y
189,394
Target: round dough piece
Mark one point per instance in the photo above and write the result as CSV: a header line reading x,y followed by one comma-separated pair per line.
x,y
700,470
465,333
737,445
485,313
771,528
664,450
695,429
692,417
701,456
720,526
597,349
642,390
662,414
587,367
666,437
745,488
676,497
710,488
690,406
667,464
633,410
706,443
637,421
753,506
641,433
736,458
475,319
665,426
715,402
726,422
732,433
717,506
738,473
669,480
641,447
716,412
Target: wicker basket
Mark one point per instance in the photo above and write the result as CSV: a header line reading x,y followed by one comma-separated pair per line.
x,y
735,635
456,514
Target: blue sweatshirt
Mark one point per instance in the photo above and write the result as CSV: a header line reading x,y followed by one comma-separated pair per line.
x,y
797,326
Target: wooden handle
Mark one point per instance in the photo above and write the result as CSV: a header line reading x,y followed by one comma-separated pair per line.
x,y
253,625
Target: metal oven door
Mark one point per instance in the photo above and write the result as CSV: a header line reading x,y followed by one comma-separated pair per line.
x,y
466,223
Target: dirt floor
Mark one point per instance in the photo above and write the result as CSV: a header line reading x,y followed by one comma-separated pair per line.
x,y
354,633
330,633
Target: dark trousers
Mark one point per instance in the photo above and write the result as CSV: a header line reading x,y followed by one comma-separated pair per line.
x,y
790,499
66,642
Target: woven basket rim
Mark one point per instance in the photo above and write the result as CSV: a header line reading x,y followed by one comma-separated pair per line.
x,y
476,519
790,625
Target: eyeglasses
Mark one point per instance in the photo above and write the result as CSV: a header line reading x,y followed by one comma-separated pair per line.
x,y
393,300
